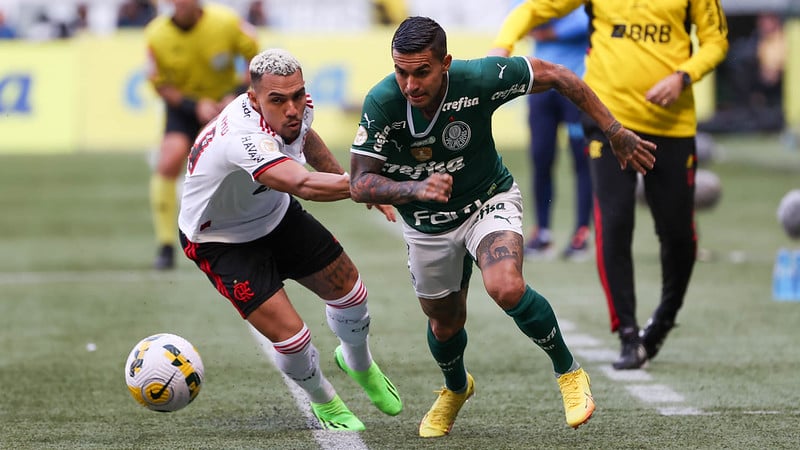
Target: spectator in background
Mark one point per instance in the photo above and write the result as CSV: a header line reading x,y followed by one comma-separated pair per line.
x,y
6,30
81,20
644,74
389,12
562,41
195,84
256,14
43,28
135,13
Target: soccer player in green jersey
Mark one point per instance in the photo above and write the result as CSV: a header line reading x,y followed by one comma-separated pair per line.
x,y
424,144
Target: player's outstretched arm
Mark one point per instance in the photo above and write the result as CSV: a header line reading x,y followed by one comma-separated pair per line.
x,y
628,147
367,185
319,156
293,178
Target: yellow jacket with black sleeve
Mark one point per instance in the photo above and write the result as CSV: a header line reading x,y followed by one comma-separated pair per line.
x,y
633,45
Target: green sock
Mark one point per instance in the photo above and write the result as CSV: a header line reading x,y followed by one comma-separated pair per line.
x,y
450,357
534,316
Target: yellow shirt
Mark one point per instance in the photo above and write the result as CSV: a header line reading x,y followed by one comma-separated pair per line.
x,y
634,44
200,62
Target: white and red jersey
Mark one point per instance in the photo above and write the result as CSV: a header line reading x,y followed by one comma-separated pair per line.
x,y
222,201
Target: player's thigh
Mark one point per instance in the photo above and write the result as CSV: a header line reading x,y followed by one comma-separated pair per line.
x,y
502,212
306,251
245,274
439,264
495,240
276,318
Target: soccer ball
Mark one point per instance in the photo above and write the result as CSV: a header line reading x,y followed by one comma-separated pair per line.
x,y
164,372
707,189
789,213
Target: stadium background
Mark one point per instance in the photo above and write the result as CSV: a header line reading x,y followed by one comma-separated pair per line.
x,y
90,93
78,289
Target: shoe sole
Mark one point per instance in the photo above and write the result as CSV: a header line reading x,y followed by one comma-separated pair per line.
x,y
585,421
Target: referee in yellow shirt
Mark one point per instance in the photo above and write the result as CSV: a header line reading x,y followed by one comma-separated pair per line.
x,y
641,63
192,56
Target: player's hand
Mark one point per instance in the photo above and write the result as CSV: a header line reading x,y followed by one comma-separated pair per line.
x,y
206,110
435,188
386,210
629,148
666,91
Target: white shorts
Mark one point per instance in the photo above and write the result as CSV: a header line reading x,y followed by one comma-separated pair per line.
x,y
440,262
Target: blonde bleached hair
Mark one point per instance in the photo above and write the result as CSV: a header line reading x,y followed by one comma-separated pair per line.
x,y
273,61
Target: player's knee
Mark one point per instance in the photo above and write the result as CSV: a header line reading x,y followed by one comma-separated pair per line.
x,y
444,330
506,293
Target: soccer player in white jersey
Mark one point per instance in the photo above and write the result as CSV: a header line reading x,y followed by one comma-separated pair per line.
x,y
424,143
241,225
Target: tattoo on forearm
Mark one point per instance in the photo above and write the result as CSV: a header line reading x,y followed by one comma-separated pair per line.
x,y
612,129
579,93
575,90
323,161
378,189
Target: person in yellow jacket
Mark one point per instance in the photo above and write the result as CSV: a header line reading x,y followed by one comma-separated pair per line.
x,y
192,55
641,63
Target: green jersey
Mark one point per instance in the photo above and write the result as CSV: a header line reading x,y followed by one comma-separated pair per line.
x,y
458,140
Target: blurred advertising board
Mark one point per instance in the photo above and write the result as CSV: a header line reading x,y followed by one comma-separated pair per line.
x,y
90,93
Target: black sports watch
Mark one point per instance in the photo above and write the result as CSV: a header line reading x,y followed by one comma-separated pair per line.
x,y
685,78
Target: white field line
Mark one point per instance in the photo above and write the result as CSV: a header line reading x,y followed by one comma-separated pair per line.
x,y
638,383
327,440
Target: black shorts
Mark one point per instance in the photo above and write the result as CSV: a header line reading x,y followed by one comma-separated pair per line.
x,y
179,121
249,273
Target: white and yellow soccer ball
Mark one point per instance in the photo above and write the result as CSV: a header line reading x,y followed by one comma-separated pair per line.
x,y
164,372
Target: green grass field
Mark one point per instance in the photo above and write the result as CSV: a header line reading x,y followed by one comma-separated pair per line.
x,y
76,248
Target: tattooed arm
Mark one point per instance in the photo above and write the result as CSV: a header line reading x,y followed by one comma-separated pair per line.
x,y
319,155
628,147
367,185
